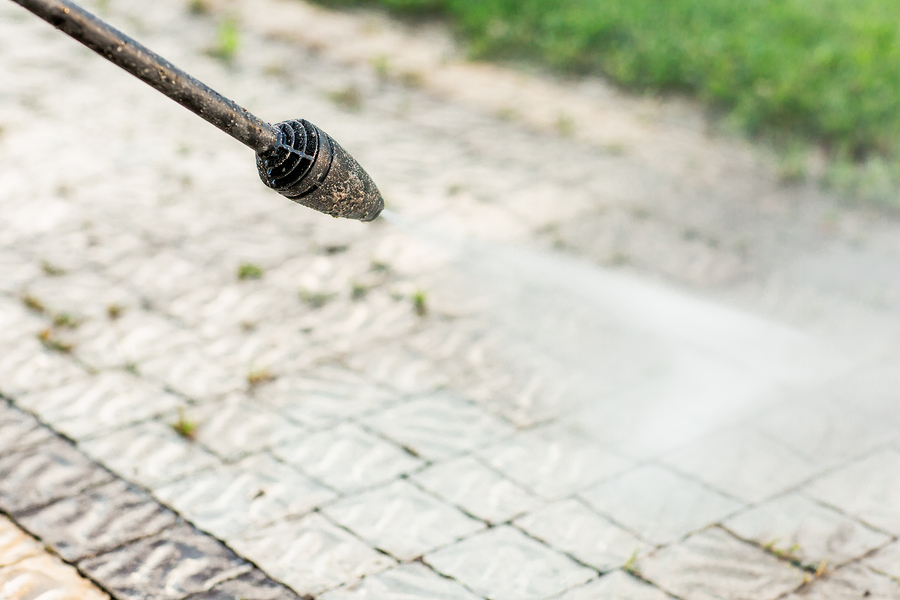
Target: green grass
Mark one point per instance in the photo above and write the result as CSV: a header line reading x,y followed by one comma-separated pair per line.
x,y
821,71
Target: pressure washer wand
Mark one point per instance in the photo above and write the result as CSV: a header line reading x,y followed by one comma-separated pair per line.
x,y
295,158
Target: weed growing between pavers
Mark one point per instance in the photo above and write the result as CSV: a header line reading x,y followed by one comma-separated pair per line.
x,y
258,377
349,97
32,303
315,299
185,427
65,320
358,291
51,342
227,41
249,271
420,303
114,311
52,270
199,7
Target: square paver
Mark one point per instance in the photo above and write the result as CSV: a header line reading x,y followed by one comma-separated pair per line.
x,y
19,430
324,402
503,562
150,454
886,561
572,527
806,530
46,576
228,500
614,586
194,373
868,490
97,520
554,464
172,564
828,432
744,464
348,458
310,555
849,583
659,505
100,403
15,544
411,581
238,426
43,473
477,489
439,426
402,519
130,339
714,565
254,585
26,366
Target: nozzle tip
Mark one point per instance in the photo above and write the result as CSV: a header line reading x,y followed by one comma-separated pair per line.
x,y
310,168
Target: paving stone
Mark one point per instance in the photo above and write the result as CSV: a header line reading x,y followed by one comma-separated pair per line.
x,y
238,426
713,564
209,309
44,473
254,585
886,561
478,489
827,432
439,426
228,500
659,505
164,275
553,464
868,490
573,528
26,366
194,373
503,562
744,464
616,585
82,294
411,581
807,530
97,520
130,339
19,430
347,458
402,520
171,564
15,544
403,370
149,453
16,321
100,403
324,402
849,583
45,577
310,555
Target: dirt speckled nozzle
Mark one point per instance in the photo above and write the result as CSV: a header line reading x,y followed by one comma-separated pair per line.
x,y
309,167
295,158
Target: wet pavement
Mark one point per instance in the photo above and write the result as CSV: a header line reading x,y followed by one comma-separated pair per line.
x,y
539,376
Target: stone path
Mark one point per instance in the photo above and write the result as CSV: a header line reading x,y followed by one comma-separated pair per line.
x,y
236,397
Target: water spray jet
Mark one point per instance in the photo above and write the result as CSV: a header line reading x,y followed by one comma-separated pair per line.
x,y
295,158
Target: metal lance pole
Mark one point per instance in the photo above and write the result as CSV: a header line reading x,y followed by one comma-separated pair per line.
x,y
295,158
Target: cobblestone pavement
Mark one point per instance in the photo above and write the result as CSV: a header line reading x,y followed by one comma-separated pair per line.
x,y
211,391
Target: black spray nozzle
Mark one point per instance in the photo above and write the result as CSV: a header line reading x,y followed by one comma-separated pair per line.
x,y
309,167
295,158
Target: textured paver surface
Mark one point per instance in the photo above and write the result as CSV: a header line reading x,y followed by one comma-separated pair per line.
x,y
614,360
